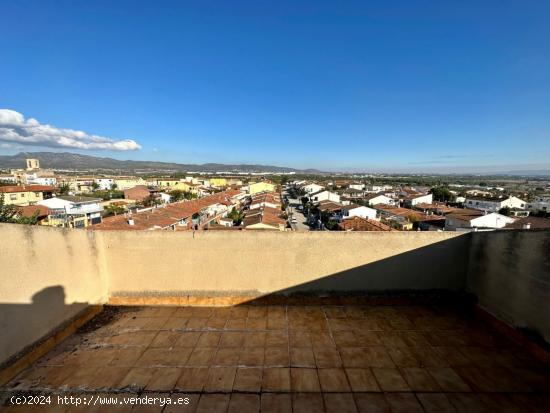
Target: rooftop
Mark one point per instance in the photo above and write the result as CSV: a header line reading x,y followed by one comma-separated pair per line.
x,y
277,321
309,358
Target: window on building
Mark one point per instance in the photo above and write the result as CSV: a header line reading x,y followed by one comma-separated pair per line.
x,y
13,197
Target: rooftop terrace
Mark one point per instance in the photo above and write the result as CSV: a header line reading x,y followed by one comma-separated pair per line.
x,y
277,322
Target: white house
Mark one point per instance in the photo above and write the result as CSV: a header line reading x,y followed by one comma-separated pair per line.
x,y
413,200
323,195
104,183
380,199
541,203
493,220
77,211
358,211
359,187
312,188
493,204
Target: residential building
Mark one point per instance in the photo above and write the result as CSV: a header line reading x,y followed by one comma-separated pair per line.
x,y
127,182
323,195
25,194
541,203
357,223
264,218
357,186
41,213
529,223
137,193
493,204
259,187
312,188
376,199
462,221
74,211
415,199
104,183
358,211
219,182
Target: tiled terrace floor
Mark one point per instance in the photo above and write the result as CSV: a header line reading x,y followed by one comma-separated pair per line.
x,y
294,358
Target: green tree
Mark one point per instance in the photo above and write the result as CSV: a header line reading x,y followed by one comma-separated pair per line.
x,y
114,187
95,186
7,212
114,210
64,189
236,216
177,195
505,211
442,193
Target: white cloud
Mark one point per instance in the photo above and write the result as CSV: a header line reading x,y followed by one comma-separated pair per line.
x,y
15,129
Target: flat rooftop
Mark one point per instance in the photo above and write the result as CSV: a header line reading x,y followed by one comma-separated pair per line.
x,y
283,358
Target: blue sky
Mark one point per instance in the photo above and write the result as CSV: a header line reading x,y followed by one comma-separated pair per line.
x,y
386,85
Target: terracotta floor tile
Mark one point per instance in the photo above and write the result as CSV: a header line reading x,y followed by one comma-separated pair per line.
x,y
235,324
362,379
345,339
216,323
134,338
354,357
367,338
227,356
137,377
302,357
339,403
429,357
276,379
177,356
404,357
256,339
164,379
188,339
253,357
334,380
321,339
248,379
467,403
419,379
213,403
244,403
392,339
403,403
165,339
276,339
377,356
453,356
192,379
414,338
256,323
304,380
501,403
152,357
220,379
300,340
83,376
209,339
108,377
448,380
390,379
276,403
307,402
232,339
196,323
371,403
202,356
435,403
326,357
276,356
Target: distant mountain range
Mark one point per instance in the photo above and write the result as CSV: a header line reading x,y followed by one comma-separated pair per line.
x,y
65,161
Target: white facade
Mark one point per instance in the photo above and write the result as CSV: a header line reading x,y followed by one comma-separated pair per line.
x,y
359,187
42,181
493,220
361,211
104,183
494,204
381,199
421,199
311,188
324,196
541,203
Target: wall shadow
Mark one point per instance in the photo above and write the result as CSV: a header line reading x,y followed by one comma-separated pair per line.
x,y
25,326
438,267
